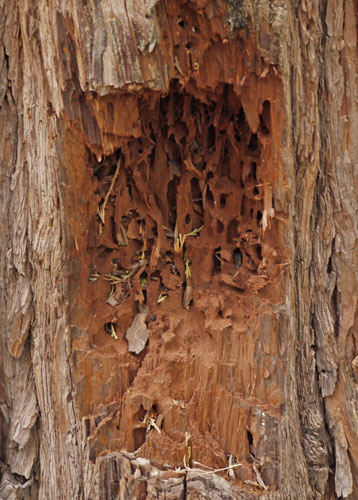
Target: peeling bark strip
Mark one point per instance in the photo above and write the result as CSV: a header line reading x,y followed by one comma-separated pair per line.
x,y
194,161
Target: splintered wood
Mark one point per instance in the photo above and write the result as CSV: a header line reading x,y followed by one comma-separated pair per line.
x,y
186,257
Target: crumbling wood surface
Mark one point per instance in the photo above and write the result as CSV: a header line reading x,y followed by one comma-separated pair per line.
x,y
197,159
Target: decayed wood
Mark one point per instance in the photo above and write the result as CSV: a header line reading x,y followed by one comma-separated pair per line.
x,y
64,68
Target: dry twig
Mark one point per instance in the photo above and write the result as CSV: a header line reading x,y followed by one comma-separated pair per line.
x,y
102,209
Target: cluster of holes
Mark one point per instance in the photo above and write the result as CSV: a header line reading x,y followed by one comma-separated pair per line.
x,y
196,165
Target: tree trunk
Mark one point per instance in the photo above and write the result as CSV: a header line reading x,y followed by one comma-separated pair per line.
x,y
179,258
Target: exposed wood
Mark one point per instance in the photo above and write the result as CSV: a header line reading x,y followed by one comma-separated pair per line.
x,y
196,160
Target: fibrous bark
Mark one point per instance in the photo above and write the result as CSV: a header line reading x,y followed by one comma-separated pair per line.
x,y
178,252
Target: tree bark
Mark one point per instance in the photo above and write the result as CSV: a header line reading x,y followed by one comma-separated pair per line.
x,y
179,258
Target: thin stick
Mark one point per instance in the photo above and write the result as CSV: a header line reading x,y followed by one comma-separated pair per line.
x,y
202,465
224,468
259,478
211,471
254,458
154,425
101,211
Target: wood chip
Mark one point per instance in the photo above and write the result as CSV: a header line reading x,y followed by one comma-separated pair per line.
x,y
138,333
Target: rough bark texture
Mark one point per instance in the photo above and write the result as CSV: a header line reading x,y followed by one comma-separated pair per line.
x,y
179,259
